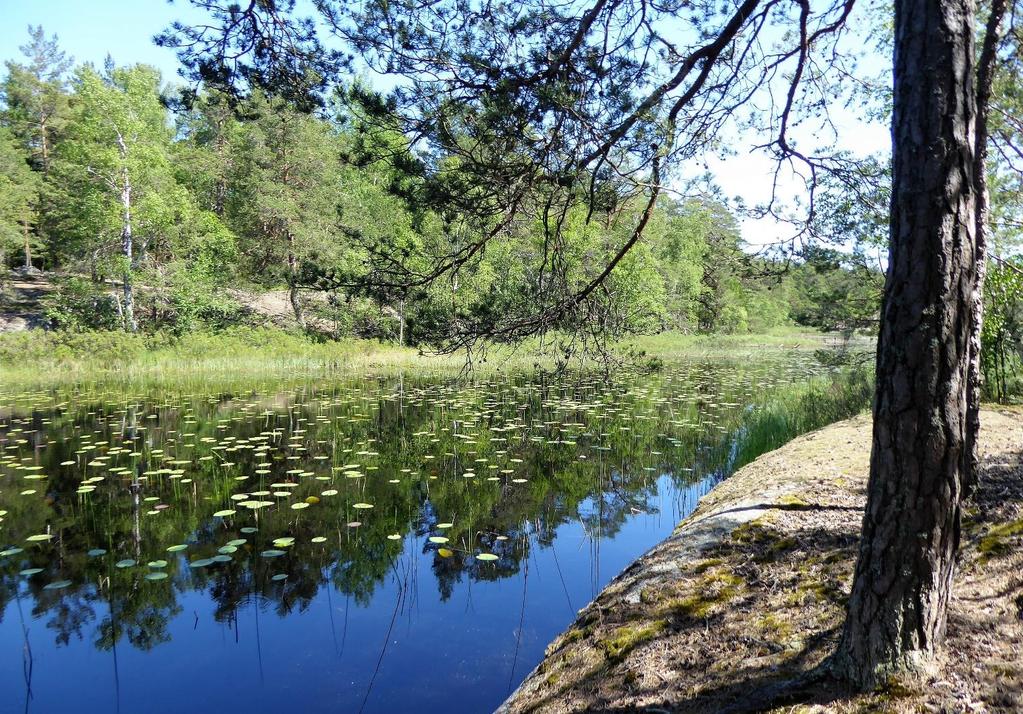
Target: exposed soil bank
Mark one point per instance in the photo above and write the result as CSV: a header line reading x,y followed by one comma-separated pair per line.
x,y
750,592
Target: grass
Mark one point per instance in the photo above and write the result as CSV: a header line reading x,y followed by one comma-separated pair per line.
x,y
792,412
40,358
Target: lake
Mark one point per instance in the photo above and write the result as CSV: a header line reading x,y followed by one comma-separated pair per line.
x,y
381,545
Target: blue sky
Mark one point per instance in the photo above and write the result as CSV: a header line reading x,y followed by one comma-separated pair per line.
x,y
90,29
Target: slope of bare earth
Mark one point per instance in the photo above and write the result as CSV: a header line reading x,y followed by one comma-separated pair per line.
x,y
749,593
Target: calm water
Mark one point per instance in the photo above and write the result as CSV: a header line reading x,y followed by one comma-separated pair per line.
x,y
381,546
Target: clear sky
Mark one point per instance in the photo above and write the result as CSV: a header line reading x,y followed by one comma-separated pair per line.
x,y
90,29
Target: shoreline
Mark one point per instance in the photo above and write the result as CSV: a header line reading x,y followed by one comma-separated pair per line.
x,y
749,591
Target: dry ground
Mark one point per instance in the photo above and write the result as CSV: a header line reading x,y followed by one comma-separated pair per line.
x,y
749,593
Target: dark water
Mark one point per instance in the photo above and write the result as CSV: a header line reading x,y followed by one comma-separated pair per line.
x,y
558,486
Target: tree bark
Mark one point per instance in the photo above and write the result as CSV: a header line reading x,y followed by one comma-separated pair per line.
x,y
296,304
127,247
985,76
919,460
28,242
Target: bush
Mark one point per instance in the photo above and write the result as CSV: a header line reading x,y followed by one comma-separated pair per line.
x,y
78,305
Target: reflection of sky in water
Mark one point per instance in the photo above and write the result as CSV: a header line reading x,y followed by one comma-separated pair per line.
x,y
421,632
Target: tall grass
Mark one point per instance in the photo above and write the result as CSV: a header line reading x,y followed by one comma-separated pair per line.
x,y
40,358
792,412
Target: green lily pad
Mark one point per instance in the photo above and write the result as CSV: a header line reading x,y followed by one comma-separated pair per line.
x,y
156,576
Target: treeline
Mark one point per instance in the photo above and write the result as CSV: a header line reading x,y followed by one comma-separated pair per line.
x,y
162,214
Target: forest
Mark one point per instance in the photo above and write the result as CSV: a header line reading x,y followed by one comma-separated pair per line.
x,y
159,212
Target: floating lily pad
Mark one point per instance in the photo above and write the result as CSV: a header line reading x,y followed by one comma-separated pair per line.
x,y
445,552
27,572
280,576
126,563
486,556
96,552
39,538
157,563
272,553
177,548
201,563
438,539
57,585
224,513
156,576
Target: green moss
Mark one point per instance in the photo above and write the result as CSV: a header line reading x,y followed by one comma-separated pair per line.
x,y
625,639
770,544
998,540
792,500
705,565
714,588
573,635
777,625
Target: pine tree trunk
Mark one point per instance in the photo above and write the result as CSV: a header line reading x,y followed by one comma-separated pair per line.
x,y
296,304
985,77
28,244
919,460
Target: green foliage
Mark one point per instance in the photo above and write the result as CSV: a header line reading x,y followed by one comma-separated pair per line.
x,y
79,305
1002,335
18,189
253,193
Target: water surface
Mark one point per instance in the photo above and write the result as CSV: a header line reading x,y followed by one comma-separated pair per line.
x,y
383,545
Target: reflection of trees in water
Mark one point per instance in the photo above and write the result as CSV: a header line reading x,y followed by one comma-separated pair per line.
x,y
617,428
